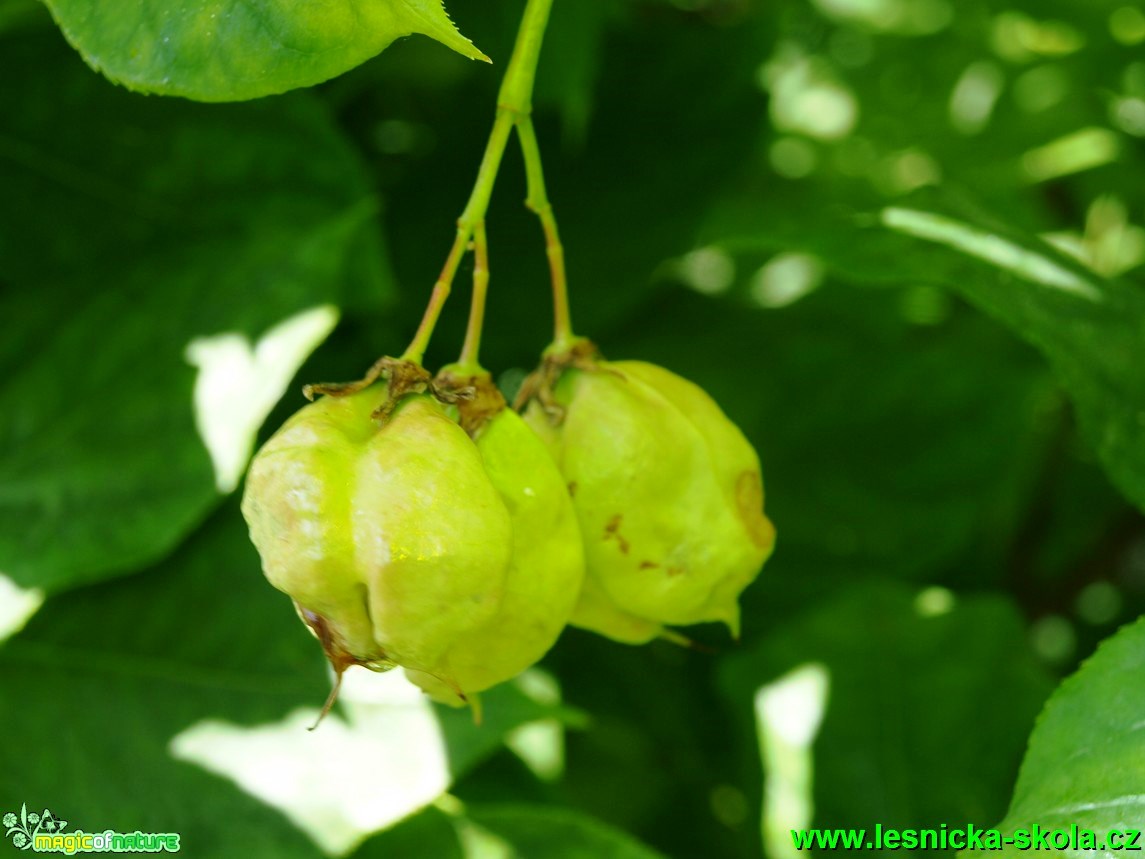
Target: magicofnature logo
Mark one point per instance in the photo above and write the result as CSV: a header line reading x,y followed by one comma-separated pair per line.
x,y
22,828
45,833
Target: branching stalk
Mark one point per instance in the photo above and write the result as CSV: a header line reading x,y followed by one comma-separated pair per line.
x,y
514,103
538,201
469,362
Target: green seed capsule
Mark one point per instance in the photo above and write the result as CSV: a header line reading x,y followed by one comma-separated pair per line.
x,y
390,537
668,493
545,572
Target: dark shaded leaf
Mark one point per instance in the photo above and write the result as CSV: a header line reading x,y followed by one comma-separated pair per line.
x,y
142,228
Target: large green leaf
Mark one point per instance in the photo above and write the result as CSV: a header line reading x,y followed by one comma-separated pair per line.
x,y
221,50
1086,761
912,733
15,13
542,832
167,268
430,832
1090,328
199,666
1024,119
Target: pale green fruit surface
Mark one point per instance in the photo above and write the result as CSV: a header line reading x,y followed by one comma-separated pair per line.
x,y
393,534
545,573
669,497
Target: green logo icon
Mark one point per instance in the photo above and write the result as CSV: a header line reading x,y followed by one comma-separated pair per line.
x,y
22,828
46,833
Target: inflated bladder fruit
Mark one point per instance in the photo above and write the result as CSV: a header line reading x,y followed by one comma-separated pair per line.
x,y
667,490
390,535
405,542
546,566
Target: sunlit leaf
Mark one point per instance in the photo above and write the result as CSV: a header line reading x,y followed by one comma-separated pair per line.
x,y
1085,766
231,50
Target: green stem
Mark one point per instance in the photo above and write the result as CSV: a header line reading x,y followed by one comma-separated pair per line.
x,y
469,361
538,201
514,102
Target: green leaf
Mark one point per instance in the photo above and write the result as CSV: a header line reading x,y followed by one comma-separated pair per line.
x,y
168,268
1086,760
914,733
232,50
543,832
200,667
1090,328
429,833
570,64
18,13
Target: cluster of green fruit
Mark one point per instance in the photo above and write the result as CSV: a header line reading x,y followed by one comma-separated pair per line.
x,y
455,537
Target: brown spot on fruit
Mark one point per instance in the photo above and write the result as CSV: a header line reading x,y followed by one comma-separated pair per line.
x,y
612,529
572,489
648,565
749,502
675,571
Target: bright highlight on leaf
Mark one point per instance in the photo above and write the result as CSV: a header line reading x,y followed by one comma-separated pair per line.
x,y
788,714
17,605
934,602
785,279
232,50
991,248
806,95
540,745
386,752
1082,150
356,775
237,386
975,95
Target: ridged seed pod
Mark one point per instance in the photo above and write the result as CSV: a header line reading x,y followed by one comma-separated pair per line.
x,y
668,493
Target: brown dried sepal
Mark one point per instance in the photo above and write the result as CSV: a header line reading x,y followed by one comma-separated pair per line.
x,y
339,657
540,384
403,378
477,398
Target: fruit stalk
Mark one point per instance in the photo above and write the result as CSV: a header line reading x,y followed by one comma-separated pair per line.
x,y
514,104
470,362
538,201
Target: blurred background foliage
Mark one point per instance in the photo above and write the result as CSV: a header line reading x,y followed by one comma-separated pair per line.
x,y
898,240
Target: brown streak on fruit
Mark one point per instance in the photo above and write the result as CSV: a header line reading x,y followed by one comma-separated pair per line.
x,y
339,657
749,503
648,565
675,571
612,529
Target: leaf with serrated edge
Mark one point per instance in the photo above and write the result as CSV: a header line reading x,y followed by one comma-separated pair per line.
x,y
233,50
1086,761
